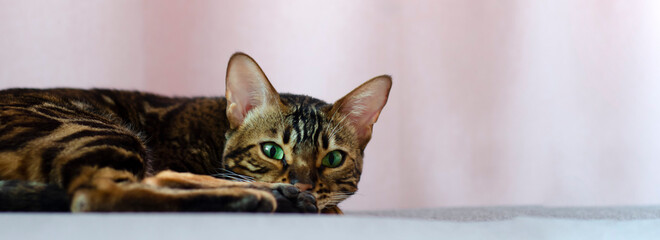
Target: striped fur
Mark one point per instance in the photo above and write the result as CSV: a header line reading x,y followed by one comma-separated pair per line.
x,y
111,150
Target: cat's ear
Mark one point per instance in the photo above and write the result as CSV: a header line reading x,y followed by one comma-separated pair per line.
x,y
247,88
362,106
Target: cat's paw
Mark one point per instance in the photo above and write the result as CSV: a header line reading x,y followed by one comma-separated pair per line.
x,y
291,200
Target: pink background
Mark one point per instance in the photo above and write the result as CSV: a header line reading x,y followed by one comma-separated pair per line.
x,y
494,102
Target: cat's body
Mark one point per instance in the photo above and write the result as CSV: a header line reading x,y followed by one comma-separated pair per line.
x,y
179,138
113,150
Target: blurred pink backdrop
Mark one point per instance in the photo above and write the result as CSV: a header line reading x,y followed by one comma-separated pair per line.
x,y
494,102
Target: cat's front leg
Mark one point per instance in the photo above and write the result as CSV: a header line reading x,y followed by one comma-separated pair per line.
x,y
171,191
288,198
137,197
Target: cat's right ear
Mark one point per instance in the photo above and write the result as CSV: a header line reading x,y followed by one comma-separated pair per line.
x,y
362,106
247,88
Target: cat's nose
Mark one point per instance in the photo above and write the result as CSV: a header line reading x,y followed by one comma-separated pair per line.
x,y
303,186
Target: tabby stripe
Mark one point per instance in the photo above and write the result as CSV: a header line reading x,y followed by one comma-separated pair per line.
x,y
15,110
324,141
11,127
175,111
239,151
346,191
50,113
129,144
345,181
121,110
47,158
253,162
300,127
22,169
18,105
21,115
93,124
287,135
317,133
92,133
59,112
166,121
32,100
259,171
99,97
21,139
157,101
101,158
296,127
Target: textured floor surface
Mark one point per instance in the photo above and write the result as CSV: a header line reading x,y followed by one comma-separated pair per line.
x,y
442,223
503,213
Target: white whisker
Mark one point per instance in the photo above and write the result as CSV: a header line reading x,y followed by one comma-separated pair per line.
x,y
230,175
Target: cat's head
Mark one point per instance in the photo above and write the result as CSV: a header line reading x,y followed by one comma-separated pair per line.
x,y
299,139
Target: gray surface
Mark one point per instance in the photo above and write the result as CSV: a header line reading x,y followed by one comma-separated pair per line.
x,y
313,227
504,213
447,223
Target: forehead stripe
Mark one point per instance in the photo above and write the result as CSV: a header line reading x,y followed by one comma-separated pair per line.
x,y
287,135
325,141
318,127
306,125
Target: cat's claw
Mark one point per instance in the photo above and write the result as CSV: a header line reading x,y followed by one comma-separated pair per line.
x,y
291,200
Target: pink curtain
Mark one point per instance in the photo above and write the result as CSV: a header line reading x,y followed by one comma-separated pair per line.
x,y
494,102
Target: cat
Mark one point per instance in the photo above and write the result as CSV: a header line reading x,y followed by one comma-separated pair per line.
x,y
254,150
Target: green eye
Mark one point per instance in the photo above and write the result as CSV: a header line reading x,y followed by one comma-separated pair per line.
x,y
333,159
273,151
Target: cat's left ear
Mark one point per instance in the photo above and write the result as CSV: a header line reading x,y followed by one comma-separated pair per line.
x,y
362,106
247,89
